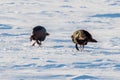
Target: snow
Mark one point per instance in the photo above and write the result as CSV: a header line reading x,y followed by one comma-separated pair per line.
x,y
57,58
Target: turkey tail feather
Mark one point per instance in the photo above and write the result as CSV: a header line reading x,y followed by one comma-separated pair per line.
x,y
93,40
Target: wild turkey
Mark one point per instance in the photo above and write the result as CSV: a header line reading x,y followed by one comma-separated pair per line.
x,y
39,34
82,37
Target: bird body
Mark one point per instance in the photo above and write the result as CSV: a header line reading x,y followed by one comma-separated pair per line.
x,y
39,34
82,37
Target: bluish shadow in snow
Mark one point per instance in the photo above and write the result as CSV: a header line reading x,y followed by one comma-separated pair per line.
x,y
19,67
66,0
98,60
32,65
49,66
50,14
57,12
8,18
89,47
50,61
97,21
106,52
115,41
61,40
2,68
86,21
9,3
7,34
113,4
59,46
35,58
5,26
85,77
71,46
44,77
66,6
73,22
116,3
100,65
117,67
93,64
83,7
114,15
80,64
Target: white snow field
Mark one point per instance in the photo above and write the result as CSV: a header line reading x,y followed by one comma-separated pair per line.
x,y
57,58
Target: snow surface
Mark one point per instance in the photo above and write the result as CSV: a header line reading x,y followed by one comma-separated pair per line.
x,y
57,58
